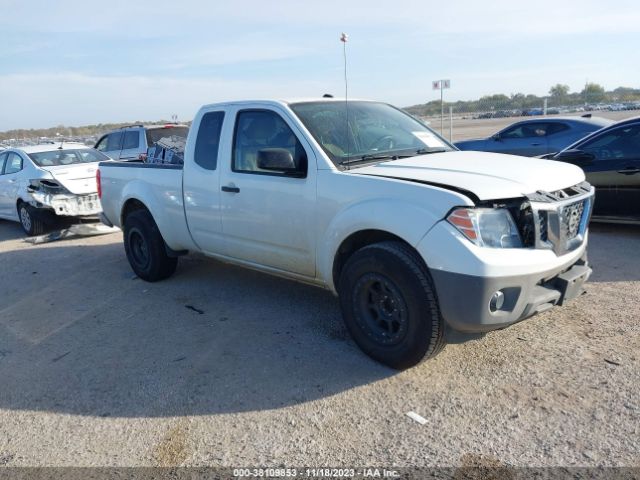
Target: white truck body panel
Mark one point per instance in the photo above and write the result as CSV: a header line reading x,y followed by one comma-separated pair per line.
x,y
296,226
489,176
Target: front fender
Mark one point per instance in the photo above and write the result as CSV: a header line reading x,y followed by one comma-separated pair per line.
x,y
410,222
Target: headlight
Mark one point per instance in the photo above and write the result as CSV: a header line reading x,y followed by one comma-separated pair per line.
x,y
486,227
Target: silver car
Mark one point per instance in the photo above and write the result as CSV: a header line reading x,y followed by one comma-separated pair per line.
x,y
41,183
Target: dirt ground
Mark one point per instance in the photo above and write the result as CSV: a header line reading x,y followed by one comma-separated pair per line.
x,y
221,366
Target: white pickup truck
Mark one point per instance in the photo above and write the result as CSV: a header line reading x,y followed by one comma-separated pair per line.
x,y
419,241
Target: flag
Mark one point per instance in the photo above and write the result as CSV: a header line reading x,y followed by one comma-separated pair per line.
x,y
344,37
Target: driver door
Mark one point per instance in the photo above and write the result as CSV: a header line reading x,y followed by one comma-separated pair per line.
x,y
268,218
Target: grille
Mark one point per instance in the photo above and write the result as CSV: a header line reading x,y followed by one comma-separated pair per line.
x,y
570,219
560,217
544,228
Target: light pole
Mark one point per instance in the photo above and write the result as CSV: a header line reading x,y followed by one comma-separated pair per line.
x,y
441,85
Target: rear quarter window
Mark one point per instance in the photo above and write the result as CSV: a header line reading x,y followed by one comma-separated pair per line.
x,y
14,164
208,140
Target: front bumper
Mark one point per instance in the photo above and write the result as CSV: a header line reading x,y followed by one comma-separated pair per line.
x,y
466,300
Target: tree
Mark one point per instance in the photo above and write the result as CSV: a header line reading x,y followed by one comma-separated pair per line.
x,y
626,93
559,92
593,92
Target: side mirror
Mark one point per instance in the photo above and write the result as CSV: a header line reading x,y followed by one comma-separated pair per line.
x,y
575,156
277,159
496,137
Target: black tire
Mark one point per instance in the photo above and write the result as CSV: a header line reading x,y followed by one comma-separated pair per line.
x,y
145,248
389,305
31,220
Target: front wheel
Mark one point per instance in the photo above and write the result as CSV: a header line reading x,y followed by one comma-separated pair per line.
x,y
389,305
145,248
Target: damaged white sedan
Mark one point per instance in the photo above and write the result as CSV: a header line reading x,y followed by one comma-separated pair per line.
x,y
40,184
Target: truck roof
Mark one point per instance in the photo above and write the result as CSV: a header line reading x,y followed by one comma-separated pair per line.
x,y
284,102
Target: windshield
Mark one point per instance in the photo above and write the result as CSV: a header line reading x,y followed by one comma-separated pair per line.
x,y
376,131
67,157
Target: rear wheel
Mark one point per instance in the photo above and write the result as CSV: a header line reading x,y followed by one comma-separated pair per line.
x,y
389,305
145,248
31,220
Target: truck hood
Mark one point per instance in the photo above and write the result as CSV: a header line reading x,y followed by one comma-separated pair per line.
x,y
489,176
79,179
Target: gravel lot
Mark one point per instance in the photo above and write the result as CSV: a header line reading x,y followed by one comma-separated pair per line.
x,y
100,368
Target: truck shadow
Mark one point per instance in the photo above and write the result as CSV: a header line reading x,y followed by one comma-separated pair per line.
x,y
613,252
10,231
80,334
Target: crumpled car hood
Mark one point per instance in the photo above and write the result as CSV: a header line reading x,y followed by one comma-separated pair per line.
x,y
489,176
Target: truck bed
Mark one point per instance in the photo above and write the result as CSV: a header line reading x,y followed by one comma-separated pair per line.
x,y
158,186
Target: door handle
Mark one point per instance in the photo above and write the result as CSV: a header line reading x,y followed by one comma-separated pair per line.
x,y
230,189
629,171
536,144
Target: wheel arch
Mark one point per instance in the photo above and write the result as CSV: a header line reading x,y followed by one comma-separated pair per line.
x,y
131,205
361,239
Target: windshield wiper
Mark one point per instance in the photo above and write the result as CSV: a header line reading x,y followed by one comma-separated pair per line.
x,y
424,151
387,156
367,158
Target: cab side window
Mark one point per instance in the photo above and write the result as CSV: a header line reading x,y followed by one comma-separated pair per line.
x,y
556,127
526,130
131,139
110,143
114,142
264,129
13,164
101,146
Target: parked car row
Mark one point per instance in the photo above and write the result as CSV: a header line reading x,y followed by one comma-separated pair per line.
x,y
537,111
608,152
